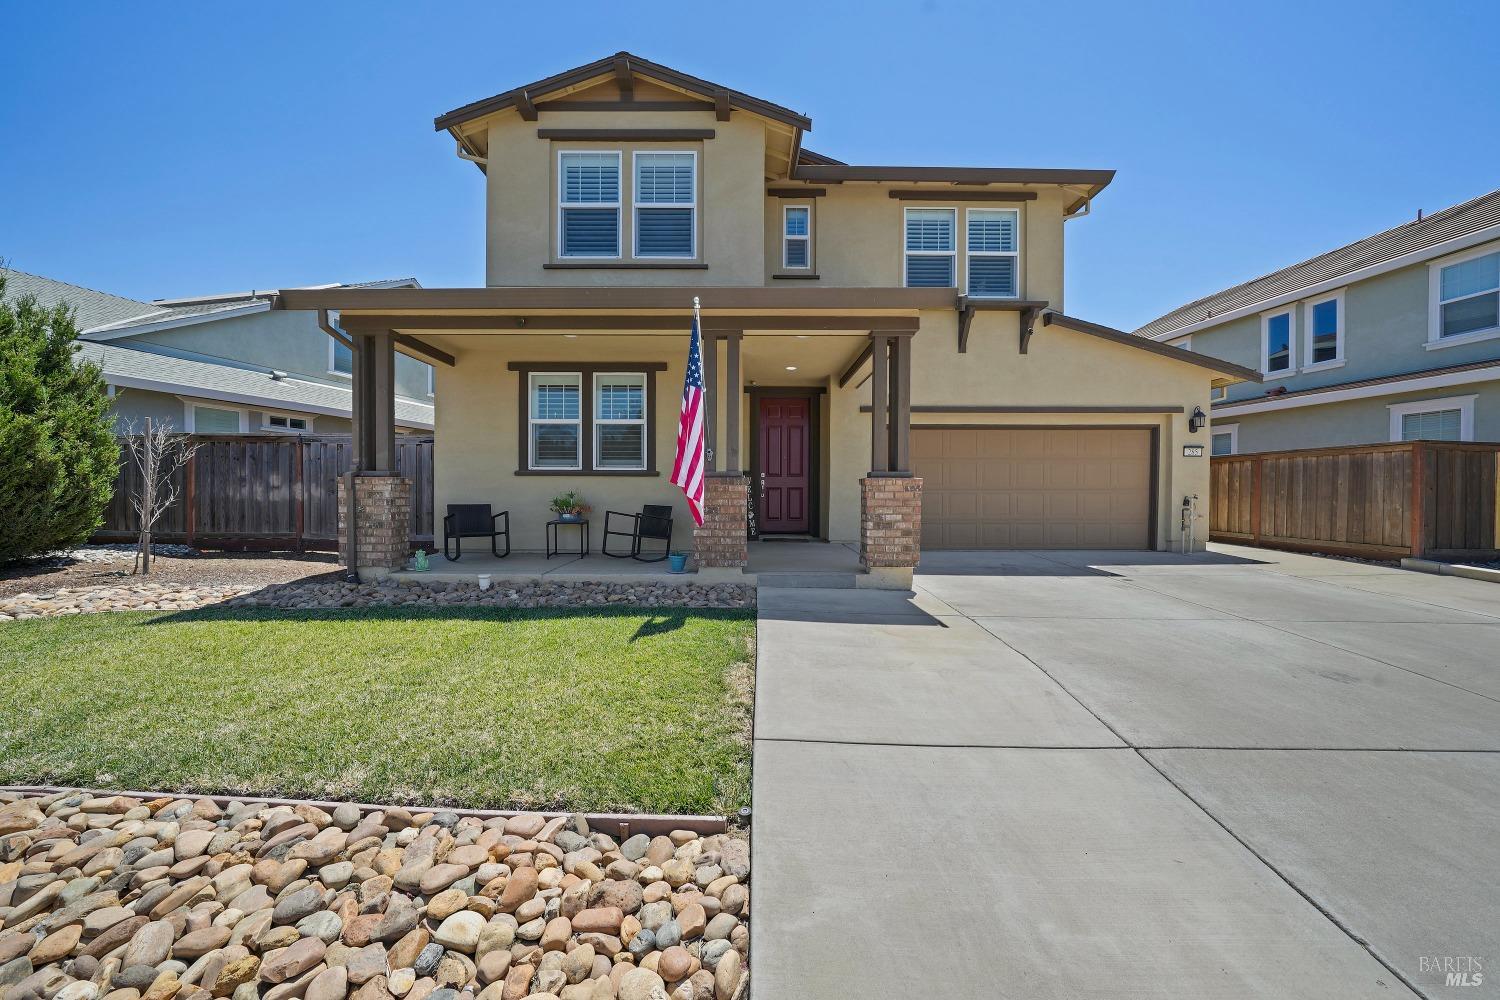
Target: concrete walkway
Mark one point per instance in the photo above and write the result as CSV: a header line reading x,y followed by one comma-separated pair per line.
x,y
1076,775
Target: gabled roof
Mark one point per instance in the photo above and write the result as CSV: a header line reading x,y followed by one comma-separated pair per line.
x,y
619,62
92,308
1432,233
102,316
142,366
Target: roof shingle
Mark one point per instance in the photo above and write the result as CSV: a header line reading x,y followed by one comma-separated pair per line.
x,y
1452,223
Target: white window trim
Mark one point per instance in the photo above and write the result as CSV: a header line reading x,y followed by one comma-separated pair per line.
x,y
1265,344
431,381
1308,364
637,205
952,254
332,346
1218,393
265,422
1233,430
1463,404
1435,338
532,421
616,205
189,424
970,254
785,210
601,422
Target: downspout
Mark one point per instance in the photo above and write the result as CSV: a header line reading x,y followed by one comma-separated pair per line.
x,y
464,154
351,569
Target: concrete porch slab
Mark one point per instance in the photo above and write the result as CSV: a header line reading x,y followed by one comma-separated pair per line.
x,y
1045,874
1244,684
1399,846
534,567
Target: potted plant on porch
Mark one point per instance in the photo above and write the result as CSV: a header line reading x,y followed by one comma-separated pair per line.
x,y
569,506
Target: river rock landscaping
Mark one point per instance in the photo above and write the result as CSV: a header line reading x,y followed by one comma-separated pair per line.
x,y
125,898
150,596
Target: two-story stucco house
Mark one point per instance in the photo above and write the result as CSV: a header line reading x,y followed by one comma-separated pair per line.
x,y
887,356
1393,338
221,364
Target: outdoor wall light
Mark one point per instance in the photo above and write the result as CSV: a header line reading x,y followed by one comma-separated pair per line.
x,y
791,368
1197,420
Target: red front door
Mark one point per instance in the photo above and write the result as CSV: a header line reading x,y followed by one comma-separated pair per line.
x,y
784,476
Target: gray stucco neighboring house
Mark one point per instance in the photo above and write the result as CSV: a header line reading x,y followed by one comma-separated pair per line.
x,y
223,363
1393,337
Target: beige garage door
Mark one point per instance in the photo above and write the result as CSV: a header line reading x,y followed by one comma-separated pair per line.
x,y
1033,488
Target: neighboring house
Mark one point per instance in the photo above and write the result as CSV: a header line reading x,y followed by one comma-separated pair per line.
x,y
1393,338
885,343
223,364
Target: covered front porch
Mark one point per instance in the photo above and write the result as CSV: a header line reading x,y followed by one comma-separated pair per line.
x,y
545,391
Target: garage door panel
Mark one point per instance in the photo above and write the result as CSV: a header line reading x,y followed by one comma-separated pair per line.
x,y
1057,487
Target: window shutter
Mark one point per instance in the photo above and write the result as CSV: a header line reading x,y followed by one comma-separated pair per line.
x,y
929,272
994,276
664,232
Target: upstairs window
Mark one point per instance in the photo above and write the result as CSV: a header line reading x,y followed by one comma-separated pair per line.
x,y
281,422
666,200
994,252
1276,343
930,247
1325,330
796,245
620,420
588,191
1468,297
555,418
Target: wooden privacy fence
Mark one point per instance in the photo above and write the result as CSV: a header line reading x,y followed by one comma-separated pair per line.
x,y
1412,498
271,491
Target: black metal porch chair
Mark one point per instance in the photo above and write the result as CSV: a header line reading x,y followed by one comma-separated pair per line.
x,y
474,520
652,524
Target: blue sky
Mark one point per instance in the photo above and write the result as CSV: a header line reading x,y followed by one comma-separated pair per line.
x,y
161,150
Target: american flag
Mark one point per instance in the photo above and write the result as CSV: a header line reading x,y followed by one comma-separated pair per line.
x,y
687,468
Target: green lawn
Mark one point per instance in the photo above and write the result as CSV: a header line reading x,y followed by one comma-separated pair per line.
x,y
589,710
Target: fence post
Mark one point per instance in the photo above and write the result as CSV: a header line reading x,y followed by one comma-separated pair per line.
x,y
1255,481
1418,525
190,506
301,490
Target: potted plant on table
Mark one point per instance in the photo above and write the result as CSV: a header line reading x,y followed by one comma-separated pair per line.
x,y
569,507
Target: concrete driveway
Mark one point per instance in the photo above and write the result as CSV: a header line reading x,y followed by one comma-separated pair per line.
x,y
1087,775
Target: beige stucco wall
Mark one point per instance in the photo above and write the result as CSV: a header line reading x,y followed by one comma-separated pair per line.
x,y
476,453
858,231
522,203
1062,368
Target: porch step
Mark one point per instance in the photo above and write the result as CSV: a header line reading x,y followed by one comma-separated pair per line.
x,y
817,581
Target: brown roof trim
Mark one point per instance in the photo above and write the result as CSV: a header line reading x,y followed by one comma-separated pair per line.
x,y
669,299
808,192
613,65
1161,408
927,194
1361,383
585,322
952,175
805,155
625,134
1165,350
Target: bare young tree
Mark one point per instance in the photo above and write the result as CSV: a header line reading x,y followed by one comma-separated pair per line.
x,y
157,453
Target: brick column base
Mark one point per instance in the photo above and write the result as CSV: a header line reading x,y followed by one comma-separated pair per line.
x,y
382,513
890,529
720,541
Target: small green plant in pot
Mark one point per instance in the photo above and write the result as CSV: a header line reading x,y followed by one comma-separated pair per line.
x,y
569,506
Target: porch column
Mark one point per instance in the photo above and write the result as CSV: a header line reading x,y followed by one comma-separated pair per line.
x,y
890,496
710,403
374,503
721,540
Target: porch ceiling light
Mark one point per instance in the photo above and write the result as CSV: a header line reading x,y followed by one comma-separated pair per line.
x,y
791,368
